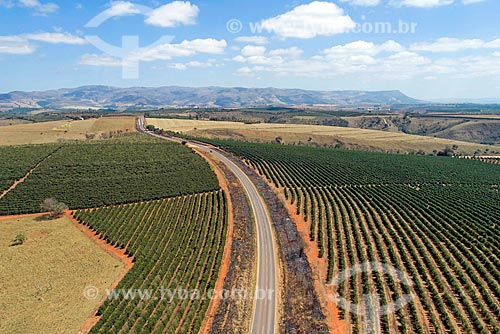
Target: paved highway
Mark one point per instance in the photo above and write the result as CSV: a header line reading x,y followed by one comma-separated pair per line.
x,y
265,305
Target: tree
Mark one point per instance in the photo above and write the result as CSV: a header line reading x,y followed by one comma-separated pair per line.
x,y
19,240
53,206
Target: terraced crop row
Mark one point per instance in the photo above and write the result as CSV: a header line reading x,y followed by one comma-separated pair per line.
x,y
436,219
177,245
92,174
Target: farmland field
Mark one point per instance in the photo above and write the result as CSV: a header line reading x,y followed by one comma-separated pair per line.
x,y
176,242
17,161
52,132
436,219
158,202
99,173
43,279
315,135
8,122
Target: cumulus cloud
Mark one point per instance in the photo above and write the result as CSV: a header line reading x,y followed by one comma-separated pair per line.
x,y
251,50
293,52
368,61
174,14
163,52
258,55
495,44
192,64
55,38
362,48
308,21
122,8
15,45
38,7
170,15
21,44
447,44
100,60
259,40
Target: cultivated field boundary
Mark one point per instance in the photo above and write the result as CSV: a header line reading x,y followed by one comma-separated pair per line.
x,y
119,254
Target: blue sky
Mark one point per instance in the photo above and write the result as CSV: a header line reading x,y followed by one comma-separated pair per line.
x,y
426,48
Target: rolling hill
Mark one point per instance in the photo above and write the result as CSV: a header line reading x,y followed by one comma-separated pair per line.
x,y
173,96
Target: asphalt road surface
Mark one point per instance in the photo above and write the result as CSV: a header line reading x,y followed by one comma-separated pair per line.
x,y
265,304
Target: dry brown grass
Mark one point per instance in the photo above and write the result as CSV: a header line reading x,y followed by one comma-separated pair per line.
x,y
8,122
42,281
51,132
316,135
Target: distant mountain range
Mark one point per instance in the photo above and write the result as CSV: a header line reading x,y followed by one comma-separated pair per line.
x,y
141,97
492,100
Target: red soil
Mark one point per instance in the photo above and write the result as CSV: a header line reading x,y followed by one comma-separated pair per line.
x,y
116,253
23,216
319,267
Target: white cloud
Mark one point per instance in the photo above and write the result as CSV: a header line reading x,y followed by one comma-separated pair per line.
x,y
495,44
422,3
192,64
100,60
178,66
362,48
311,20
468,2
362,60
174,14
366,3
164,52
40,8
245,71
15,45
293,52
208,45
259,40
55,38
21,44
447,44
258,55
250,50
122,8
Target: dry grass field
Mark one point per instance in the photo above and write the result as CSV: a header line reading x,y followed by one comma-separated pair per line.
x,y
50,132
42,281
316,135
9,122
